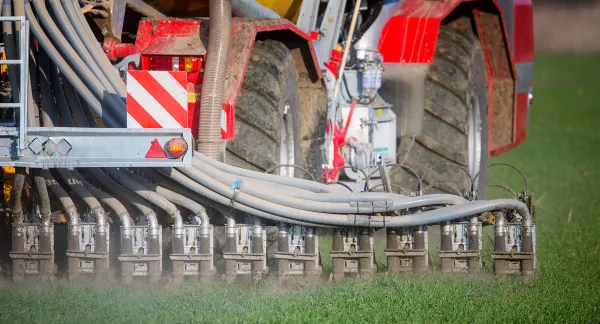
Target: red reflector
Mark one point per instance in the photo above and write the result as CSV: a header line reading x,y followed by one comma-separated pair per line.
x,y
156,151
177,147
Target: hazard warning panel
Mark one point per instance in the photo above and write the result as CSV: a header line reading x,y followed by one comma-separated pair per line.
x,y
157,99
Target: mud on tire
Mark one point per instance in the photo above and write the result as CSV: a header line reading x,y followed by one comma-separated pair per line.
x,y
455,92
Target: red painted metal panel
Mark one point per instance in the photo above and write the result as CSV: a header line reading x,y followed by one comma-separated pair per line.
x,y
411,34
523,51
243,35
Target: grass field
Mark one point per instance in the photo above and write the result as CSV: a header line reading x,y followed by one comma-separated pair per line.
x,y
561,158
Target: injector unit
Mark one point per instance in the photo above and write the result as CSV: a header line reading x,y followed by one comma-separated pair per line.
x,y
141,255
407,249
461,246
245,252
89,253
352,252
33,251
196,259
298,251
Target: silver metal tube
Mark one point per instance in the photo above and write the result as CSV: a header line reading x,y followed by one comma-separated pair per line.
x,y
124,193
87,197
113,203
130,183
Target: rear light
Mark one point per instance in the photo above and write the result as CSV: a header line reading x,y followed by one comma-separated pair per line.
x,y
189,64
177,147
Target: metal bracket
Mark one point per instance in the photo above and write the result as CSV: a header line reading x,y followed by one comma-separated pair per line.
x,y
68,147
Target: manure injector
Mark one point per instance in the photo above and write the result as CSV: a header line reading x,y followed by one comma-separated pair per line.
x,y
138,145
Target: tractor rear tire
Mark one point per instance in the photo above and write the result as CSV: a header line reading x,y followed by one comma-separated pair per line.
x,y
267,129
455,122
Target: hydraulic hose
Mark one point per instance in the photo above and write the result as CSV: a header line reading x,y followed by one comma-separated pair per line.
x,y
111,202
86,35
68,30
87,197
44,198
214,78
130,183
49,117
124,193
111,99
66,70
75,104
65,200
61,101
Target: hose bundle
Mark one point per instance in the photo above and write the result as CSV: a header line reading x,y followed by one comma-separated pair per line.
x,y
87,74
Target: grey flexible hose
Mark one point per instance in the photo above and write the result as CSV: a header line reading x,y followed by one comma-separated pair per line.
x,y
111,99
124,193
86,35
68,30
111,202
65,200
286,181
213,196
44,198
130,183
209,129
175,198
322,202
87,197
49,117
61,101
66,70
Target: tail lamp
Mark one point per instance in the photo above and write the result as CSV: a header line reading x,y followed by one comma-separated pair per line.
x,y
189,64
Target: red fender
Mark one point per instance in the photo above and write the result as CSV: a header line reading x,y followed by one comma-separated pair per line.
x,y
410,36
244,33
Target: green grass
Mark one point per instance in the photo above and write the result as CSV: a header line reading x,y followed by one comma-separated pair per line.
x,y
560,157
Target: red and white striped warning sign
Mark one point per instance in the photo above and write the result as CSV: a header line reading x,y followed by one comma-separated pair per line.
x,y
157,99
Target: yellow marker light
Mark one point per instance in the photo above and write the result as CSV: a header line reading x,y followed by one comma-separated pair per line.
x,y
177,147
191,64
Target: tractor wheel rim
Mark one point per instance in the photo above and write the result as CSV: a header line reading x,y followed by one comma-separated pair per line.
x,y
475,128
286,143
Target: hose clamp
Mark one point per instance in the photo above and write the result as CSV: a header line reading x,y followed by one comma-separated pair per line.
x,y
236,191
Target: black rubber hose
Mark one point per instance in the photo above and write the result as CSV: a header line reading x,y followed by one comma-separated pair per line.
x,y
63,197
66,70
111,99
76,108
69,31
87,197
111,202
10,47
111,185
372,16
77,20
61,100
44,198
49,117
15,195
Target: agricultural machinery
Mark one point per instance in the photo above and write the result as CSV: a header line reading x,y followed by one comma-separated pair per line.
x,y
240,139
